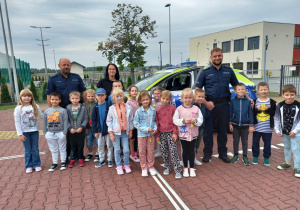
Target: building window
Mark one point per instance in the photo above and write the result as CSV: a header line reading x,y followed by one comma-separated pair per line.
x,y
238,45
238,65
297,42
253,42
255,67
214,45
226,47
226,64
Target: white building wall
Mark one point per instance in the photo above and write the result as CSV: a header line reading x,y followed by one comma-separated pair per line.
x,y
77,69
280,51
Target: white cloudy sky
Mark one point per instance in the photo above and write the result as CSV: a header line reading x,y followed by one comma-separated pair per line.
x,y
78,26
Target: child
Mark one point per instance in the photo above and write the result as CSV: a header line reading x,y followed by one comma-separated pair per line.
x,y
100,129
188,117
90,136
119,122
156,104
133,91
55,128
264,111
287,125
116,84
240,122
27,115
199,98
145,123
167,133
78,118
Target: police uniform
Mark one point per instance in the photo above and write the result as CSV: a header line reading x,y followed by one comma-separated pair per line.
x,y
65,86
216,85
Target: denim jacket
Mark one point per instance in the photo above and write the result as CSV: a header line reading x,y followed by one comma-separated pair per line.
x,y
142,121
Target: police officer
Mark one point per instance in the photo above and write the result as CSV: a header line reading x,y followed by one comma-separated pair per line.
x,y
216,80
64,82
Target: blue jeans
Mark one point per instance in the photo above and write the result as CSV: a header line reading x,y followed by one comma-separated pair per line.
x,y
90,139
124,141
221,114
292,144
32,154
266,137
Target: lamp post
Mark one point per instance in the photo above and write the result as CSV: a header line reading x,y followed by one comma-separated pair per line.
x,y
160,54
169,5
253,57
54,59
46,71
197,53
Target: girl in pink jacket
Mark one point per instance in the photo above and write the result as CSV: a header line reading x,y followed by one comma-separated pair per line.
x,y
188,117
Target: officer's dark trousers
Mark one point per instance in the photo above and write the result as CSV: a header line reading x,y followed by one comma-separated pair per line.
x,y
221,114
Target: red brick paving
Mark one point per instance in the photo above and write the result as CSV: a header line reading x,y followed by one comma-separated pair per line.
x,y
217,185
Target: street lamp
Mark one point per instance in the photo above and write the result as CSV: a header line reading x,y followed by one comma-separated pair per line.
x,y
54,60
253,57
160,54
169,5
46,72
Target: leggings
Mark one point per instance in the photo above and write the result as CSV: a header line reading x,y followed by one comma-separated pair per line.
x,y
188,152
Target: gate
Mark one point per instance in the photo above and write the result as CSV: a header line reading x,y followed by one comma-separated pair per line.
x,y
290,74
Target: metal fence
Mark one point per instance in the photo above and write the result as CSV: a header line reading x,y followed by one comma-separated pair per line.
x,y
290,74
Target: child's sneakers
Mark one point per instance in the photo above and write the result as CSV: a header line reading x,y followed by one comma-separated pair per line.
x,y
197,162
178,175
145,173
99,164
96,159
297,172
81,163
72,163
110,164
37,169
134,158
192,172
152,171
235,159
88,157
127,169
53,167
28,170
255,160
246,161
266,161
120,170
167,171
63,166
186,172
284,166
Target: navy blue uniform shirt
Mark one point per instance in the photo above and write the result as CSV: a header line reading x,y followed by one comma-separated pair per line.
x,y
216,82
64,86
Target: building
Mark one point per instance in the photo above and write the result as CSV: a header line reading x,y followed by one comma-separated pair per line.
x,y
243,47
77,68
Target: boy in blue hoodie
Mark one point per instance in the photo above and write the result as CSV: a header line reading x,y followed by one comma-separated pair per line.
x,y
240,122
100,129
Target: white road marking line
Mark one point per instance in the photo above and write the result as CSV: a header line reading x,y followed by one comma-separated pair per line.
x,y
261,148
272,146
172,191
281,144
250,150
16,156
166,192
228,153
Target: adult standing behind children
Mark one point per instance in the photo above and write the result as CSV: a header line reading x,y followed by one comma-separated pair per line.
x,y
216,80
64,82
111,75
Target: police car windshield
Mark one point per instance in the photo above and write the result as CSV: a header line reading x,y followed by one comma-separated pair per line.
x,y
142,85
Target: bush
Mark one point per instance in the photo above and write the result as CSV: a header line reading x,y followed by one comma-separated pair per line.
x,y
129,81
87,76
5,96
33,90
20,84
92,86
139,78
44,86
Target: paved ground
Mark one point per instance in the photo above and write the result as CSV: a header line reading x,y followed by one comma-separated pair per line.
x,y
217,186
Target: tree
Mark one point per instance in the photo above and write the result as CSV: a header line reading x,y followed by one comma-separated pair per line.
x,y
5,96
129,81
44,87
33,90
139,78
87,76
99,68
125,40
92,86
20,84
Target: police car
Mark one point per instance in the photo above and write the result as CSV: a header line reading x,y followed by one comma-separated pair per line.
x,y
175,79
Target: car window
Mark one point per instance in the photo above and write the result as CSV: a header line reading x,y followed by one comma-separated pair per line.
x,y
142,85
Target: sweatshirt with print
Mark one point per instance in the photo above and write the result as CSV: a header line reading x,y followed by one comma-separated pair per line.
x,y
55,120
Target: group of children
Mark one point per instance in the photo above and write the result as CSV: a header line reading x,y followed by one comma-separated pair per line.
x,y
130,130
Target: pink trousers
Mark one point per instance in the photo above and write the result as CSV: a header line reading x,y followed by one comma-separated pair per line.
x,y
146,151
